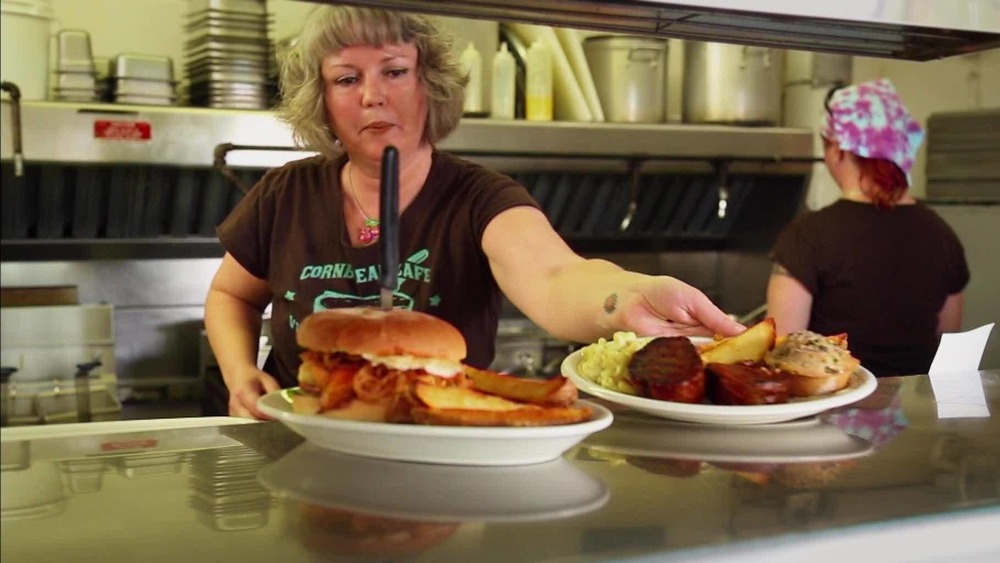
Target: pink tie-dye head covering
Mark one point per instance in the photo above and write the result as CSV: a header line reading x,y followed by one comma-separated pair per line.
x,y
870,120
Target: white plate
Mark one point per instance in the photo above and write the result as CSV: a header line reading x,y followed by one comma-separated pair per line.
x,y
453,445
437,493
808,440
861,384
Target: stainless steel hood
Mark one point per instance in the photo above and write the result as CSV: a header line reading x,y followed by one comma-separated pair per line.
x,y
905,29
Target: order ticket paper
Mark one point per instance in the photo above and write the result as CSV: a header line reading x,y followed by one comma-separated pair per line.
x,y
954,373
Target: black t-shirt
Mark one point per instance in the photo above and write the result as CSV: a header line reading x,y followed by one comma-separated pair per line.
x,y
290,231
880,276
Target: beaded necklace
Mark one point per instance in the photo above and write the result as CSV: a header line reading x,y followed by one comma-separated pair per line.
x,y
369,231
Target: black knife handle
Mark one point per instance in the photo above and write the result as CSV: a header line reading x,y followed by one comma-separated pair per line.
x,y
389,217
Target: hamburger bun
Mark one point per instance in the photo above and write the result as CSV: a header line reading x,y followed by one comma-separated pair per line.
x,y
375,332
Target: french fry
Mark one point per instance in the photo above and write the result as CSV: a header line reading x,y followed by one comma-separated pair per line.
x,y
751,345
557,391
438,398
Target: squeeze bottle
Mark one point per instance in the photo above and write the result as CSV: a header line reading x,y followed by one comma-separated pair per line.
x,y
538,83
472,62
502,101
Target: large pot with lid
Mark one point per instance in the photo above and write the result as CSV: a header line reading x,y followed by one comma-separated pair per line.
x,y
629,75
726,83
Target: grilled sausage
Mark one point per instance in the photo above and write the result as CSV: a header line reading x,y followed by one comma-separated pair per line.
x,y
670,369
746,384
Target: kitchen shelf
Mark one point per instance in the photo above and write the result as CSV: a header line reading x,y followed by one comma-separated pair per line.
x,y
57,132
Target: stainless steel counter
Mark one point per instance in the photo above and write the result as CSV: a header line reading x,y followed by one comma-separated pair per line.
x,y
884,479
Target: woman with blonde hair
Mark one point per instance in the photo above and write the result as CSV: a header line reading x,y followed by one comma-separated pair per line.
x,y
305,238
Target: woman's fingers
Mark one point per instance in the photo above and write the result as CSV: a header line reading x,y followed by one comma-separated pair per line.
x,y
675,308
712,318
243,401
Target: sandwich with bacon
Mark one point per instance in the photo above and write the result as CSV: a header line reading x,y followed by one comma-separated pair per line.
x,y
406,366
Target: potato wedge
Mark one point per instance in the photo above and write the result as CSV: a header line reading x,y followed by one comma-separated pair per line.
x,y
527,416
438,398
751,345
557,391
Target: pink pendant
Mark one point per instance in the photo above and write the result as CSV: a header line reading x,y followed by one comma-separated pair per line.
x,y
369,231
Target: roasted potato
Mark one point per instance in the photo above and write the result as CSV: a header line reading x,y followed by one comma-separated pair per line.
x,y
557,391
459,406
751,345
437,397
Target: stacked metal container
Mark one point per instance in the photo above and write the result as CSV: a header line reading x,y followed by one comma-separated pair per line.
x,y
141,79
229,58
75,71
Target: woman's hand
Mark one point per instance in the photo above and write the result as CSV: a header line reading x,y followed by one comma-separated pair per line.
x,y
666,306
245,388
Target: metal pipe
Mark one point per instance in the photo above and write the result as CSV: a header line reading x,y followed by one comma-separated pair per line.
x,y
219,160
634,167
15,113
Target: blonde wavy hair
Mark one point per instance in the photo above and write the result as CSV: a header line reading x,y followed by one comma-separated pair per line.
x,y
329,29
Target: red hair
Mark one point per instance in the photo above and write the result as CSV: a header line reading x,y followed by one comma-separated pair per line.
x,y
882,181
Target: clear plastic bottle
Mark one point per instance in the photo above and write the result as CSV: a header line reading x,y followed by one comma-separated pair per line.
x,y
538,83
504,77
472,62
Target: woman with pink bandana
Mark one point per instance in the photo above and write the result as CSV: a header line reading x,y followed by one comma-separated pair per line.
x,y
876,264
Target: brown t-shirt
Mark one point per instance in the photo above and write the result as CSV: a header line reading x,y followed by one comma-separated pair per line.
x,y
289,230
880,276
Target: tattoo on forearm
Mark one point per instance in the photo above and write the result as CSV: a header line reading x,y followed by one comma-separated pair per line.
x,y
779,270
611,303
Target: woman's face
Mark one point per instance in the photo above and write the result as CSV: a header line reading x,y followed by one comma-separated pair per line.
x,y
374,98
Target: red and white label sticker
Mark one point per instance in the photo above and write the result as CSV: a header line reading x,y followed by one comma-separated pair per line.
x,y
122,130
134,444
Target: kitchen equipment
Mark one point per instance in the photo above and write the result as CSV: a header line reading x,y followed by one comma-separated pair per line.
x,y
5,373
74,53
24,45
83,475
229,60
138,79
568,103
75,71
572,44
36,491
389,225
538,83
504,98
142,67
891,29
472,64
46,342
963,156
736,84
630,76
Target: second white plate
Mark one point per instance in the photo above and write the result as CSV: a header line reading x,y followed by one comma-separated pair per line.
x,y
452,445
861,384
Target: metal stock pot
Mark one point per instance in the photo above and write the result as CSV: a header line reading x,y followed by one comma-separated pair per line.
x,y
732,83
629,75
